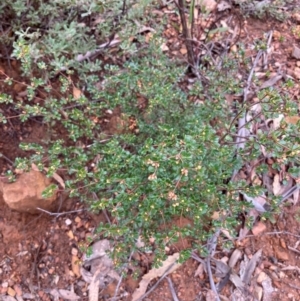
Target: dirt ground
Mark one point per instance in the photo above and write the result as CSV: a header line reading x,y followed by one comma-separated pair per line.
x,y
36,250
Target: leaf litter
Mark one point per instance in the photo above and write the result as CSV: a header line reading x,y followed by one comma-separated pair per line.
x,y
247,265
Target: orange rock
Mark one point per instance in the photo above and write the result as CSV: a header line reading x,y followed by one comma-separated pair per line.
x,y
25,195
281,254
11,292
258,228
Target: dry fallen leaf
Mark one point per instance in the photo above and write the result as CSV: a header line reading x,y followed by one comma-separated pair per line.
x,y
168,266
223,5
258,228
76,93
250,267
208,5
68,295
296,52
200,271
164,47
34,167
292,119
75,266
57,178
70,234
279,189
234,258
211,295
271,82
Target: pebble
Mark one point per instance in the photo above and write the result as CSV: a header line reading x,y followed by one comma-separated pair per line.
x,y
70,234
259,228
258,292
261,277
74,251
282,254
18,289
28,296
4,284
11,292
68,222
77,219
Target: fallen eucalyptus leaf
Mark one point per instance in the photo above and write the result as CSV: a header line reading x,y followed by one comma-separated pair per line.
x,y
237,281
256,202
68,295
168,266
279,189
271,82
296,52
234,258
249,269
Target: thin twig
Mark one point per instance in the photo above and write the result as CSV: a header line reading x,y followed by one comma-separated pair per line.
x,y
265,63
103,210
171,286
60,213
196,257
7,159
99,49
274,233
293,249
120,280
212,244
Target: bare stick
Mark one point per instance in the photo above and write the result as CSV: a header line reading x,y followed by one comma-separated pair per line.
x,y
99,49
60,213
120,281
171,286
186,32
103,210
212,244
293,249
7,159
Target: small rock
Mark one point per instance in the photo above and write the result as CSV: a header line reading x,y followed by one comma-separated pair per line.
x,y
296,52
297,72
68,222
3,290
259,228
11,292
258,292
7,298
74,251
282,275
4,284
25,195
77,219
282,243
76,266
70,234
296,16
28,296
18,289
261,277
281,254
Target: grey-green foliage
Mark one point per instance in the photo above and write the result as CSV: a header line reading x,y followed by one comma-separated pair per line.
x,y
262,9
